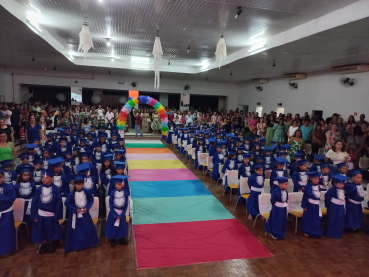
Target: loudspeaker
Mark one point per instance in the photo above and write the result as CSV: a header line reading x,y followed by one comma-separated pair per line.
x,y
279,104
258,103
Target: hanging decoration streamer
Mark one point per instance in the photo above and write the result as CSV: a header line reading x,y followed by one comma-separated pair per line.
x,y
122,118
221,52
85,39
157,52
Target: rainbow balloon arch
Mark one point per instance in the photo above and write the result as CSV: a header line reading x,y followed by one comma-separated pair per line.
x,y
122,118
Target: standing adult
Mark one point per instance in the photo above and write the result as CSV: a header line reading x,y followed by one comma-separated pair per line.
x,y
261,127
50,121
146,120
170,117
7,149
16,120
189,118
297,143
253,121
76,116
109,118
292,129
155,124
137,123
7,114
7,129
352,121
346,133
100,112
237,122
340,125
43,126
279,133
356,141
93,117
307,131
66,120
362,119
317,140
33,130
332,136
270,131
336,155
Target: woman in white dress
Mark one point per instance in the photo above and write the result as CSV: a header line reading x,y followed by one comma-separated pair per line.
x,y
292,129
336,155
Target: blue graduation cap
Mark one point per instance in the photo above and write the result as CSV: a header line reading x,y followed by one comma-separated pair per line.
x,y
314,174
246,156
78,177
99,144
255,136
83,168
232,153
356,172
285,146
31,146
60,130
219,134
240,148
282,153
246,139
281,180
280,161
86,154
299,156
252,153
48,149
75,126
212,140
23,156
223,142
318,157
268,149
102,134
116,146
300,152
339,179
207,133
67,128
256,166
50,135
273,142
120,152
301,162
81,131
6,163
258,157
92,127
77,149
2,170
262,139
92,134
256,144
119,178
38,161
201,139
107,157
62,139
25,169
55,162
324,165
47,172
120,165
340,165
83,140
114,134
121,139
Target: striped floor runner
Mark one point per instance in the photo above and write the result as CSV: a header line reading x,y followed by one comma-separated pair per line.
x,y
176,219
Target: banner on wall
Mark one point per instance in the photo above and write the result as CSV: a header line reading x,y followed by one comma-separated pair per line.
x,y
75,95
185,100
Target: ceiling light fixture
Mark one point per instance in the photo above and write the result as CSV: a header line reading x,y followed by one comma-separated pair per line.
x,y
204,64
140,66
140,59
33,29
259,34
257,47
188,49
107,42
239,11
257,51
112,60
35,24
33,7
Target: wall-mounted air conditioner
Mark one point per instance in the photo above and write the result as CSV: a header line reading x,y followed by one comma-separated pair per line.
x,y
350,69
260,81
297,76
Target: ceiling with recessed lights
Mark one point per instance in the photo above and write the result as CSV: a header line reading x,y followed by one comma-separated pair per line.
x,y
256,37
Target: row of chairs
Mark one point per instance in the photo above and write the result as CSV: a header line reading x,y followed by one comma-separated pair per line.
x,y
18,210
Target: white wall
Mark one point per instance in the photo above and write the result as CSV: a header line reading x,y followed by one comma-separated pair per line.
x,y
320,91
57,78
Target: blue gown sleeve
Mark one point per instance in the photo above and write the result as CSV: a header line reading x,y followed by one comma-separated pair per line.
x,y
111,204
274,196
305,197
69,203
58,205
90,200
296,179
103,179
250,180
34,206
225,166
328,196
10,195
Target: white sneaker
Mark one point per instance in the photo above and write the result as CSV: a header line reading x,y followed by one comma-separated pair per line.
x,y
250,217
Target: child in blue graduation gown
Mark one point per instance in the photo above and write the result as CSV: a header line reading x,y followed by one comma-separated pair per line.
x,y
335,203
37,172
90,183
119,169
46,211
113,141
97,155
247,145
229,164
212,147
10,176
105,149
300,176
60,179
244,171
25,163
201,148
277,172
170,132
256,184
46,156
7,233
276,224
324,177
116,225
354,197
268,159
293,165
239,156
218,159
81,232
26,188
312,215
86,158
107,170
318,159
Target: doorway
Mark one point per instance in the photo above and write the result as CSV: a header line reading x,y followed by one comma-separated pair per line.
x,y
279,110
319,113
244,108
259,110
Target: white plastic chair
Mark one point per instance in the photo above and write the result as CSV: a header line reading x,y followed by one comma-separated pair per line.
x,y
193,155
174,140
323,208
203,161
267,173
308,149
94,212
294,205
266,183
264,207
244,189
188,149
179,143
61,221
209,161
364,162
290,185
232,180
18,211
220,173
184,144
173,137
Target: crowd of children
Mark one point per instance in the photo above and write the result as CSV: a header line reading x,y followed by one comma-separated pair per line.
x,y
251,158
94,165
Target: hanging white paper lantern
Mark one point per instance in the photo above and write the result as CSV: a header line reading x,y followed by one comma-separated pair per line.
x,y
157,52
221,52
61,97
96,99
85,39
122,100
